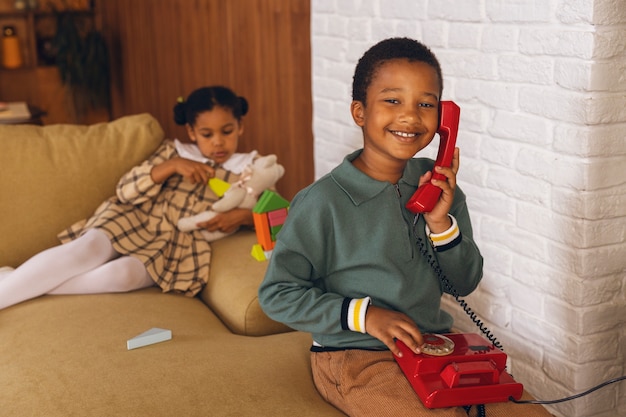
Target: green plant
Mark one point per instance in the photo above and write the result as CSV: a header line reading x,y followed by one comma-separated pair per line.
x,y
83,62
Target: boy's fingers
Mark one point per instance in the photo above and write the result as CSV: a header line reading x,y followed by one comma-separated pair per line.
x,y
409,343
412,344
456,159
411,337
395,349
425,178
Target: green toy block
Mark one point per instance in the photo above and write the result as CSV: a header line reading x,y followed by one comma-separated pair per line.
x,y
269,201
274,231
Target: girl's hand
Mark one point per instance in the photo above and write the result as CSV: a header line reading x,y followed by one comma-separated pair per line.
x,y
193,171
229,221
438,220
387,325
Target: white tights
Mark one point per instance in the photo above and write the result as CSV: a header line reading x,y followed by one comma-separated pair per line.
x,y
87,265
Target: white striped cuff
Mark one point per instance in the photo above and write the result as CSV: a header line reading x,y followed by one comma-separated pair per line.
x,y
356,314
444,238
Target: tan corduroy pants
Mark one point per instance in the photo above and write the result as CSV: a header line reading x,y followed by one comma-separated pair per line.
x,y
364,383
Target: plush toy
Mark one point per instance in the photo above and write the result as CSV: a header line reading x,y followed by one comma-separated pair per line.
x,y
262,174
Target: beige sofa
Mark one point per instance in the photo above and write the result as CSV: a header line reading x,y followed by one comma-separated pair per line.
x,y
67,355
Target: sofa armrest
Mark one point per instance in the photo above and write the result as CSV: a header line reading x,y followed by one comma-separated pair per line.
x,y
234,279
56,175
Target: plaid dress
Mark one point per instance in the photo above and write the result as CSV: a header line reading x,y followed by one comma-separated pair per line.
x,y
141,222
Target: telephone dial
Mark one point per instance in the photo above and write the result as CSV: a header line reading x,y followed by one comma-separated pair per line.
x,y
454,369
427,195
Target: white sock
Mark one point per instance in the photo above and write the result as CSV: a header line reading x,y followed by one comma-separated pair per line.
x,y
51,268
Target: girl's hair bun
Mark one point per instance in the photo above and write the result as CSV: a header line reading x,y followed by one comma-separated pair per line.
x,y
179,113
243,106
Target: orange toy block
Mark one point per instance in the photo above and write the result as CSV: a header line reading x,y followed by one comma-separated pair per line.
x,y
262,227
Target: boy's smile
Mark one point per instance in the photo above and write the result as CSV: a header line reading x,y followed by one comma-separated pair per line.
x,y
400,117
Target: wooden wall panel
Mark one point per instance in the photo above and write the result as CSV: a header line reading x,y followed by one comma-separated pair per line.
x,y
162,49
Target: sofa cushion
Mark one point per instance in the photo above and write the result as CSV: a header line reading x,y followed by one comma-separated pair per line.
x,y
67,356
71,169
234,279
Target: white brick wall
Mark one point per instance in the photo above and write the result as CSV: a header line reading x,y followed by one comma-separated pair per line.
x,y
542,90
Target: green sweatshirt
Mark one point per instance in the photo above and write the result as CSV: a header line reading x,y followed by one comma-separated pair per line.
x,y
349,241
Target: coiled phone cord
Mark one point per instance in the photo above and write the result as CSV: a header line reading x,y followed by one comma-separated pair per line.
x,y
449,288
432,261
480,410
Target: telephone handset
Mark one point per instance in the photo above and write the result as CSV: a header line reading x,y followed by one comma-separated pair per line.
x,y
427,195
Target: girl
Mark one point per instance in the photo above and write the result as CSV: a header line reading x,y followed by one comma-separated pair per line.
x,y
132,241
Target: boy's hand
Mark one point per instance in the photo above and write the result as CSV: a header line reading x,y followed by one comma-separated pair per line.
x,y
229,221
438,220
387,325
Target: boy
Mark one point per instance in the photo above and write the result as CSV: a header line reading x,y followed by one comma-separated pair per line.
x,y
346,266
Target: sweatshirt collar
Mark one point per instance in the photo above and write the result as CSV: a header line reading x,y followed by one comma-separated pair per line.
x,y
361,187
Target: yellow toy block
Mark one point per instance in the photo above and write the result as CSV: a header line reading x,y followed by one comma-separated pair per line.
x,y
258,253
218,186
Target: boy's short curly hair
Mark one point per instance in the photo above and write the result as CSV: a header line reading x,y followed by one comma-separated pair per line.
x,y
386,50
